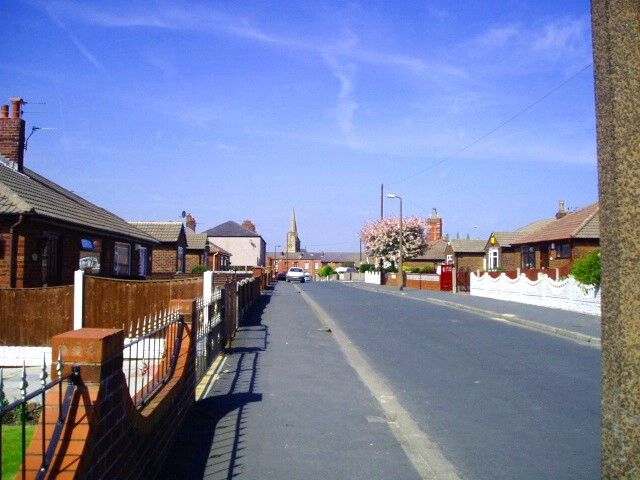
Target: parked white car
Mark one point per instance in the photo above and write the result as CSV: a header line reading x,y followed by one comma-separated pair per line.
x,y
307,277
295,274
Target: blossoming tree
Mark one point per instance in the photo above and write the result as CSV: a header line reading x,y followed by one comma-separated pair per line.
x,y
381,238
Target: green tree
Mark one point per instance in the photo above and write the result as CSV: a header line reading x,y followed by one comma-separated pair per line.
x,y
326,271
587,269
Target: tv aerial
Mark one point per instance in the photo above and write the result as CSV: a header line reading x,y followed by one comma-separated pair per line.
x,y
34,130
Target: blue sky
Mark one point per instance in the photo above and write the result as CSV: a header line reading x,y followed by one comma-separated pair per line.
x,y
246,110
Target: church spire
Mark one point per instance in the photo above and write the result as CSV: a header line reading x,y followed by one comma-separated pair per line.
x,y
294,227
293,242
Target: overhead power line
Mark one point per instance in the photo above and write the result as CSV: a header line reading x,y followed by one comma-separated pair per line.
x,y
495,129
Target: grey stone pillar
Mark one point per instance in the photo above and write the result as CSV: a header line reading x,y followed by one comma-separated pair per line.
x,y
616,40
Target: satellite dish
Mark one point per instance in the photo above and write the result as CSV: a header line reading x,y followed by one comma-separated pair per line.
x,y
183,214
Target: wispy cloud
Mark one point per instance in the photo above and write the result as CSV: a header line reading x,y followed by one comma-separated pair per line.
x,y
562,38
521,48
208,20
84,51
346,106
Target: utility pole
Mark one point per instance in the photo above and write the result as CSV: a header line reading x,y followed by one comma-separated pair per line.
x,y
381,201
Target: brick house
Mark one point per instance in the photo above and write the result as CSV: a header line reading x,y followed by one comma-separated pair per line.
x,y
246,247
499,251
563,241
312,261
48,232
219,258
466,255
433,255
169,257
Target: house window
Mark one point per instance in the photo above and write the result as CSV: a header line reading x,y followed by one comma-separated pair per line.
x,y
89,255
180,260
317,267
306,266
563,250
493,259
122,259
143,259
528,257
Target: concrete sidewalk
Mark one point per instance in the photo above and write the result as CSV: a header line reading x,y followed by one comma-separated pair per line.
x,y
577,326
286,404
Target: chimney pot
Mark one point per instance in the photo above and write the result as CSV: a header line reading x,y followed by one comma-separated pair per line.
x,y
4,111
17,107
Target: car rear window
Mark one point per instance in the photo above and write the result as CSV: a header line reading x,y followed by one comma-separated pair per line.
x,y
295,270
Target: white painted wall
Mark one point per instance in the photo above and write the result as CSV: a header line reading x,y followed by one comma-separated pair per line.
x,y
566,294
373,277
243,250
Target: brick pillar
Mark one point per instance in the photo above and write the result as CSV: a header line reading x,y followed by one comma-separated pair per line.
x,y
616,41
98,353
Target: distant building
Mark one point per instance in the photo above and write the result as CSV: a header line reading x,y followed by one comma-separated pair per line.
x,y
295,256
246,247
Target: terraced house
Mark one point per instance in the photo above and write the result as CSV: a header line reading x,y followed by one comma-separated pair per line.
x,y
48,232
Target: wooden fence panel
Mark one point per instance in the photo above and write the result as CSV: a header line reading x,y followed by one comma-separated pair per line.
x,y
31,316
113,303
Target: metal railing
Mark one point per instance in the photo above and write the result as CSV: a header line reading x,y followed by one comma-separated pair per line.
x,y
20,406
151,353
210,332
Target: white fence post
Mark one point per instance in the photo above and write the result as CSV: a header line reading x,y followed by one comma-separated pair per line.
x,y
78,299
207,292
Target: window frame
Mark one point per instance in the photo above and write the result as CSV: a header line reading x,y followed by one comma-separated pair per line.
x,y
116,257
559,250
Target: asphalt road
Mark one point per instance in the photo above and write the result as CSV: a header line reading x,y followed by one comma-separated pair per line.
x,y
500,401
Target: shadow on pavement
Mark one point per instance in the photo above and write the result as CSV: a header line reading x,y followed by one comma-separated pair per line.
x,y
209,445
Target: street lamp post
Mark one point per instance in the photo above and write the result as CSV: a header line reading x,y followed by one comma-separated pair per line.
x,y
393,195
275,273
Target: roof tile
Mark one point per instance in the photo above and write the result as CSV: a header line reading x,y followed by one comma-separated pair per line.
x,y
29,192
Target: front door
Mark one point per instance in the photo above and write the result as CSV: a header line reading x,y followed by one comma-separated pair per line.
x,y
544,256
49,259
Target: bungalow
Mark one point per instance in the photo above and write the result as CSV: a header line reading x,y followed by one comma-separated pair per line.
x,y
48,232
501,254
219,258
169,255
563,241
466,255
434,255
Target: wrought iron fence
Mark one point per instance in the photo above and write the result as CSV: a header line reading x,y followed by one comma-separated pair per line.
x,y
151,352
20,413
210,331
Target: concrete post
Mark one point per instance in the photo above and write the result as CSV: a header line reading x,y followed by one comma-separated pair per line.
x,y
207,292
616,40
78,299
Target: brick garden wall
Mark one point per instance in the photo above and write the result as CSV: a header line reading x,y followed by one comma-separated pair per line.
x,y
105,435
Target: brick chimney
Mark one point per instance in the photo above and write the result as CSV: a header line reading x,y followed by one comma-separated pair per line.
x,y
562,212
12,134
434,226
249,225
190,222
